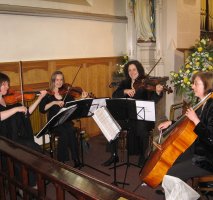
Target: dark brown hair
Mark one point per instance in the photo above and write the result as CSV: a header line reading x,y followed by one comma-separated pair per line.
x,y
139,67
4,78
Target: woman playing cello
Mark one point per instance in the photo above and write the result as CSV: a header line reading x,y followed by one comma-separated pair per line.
x,y
51,104
197,160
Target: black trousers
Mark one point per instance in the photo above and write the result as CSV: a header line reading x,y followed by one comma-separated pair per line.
x,y
184,168
67,140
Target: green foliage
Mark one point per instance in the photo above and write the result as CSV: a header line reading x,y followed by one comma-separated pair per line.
x,y
120,68
201,59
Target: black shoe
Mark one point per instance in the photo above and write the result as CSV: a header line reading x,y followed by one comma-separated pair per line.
x,y
160,192
77,164
110,161
141,161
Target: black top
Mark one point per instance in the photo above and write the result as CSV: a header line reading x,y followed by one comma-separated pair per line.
x,y
55,108
18,128
204,142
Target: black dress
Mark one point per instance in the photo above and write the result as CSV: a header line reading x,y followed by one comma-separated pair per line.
x,y
198,158
18,129
66,133
139,131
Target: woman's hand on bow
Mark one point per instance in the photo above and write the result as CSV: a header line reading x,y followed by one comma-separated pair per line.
x,y
129,92
59,103
84,94
164,125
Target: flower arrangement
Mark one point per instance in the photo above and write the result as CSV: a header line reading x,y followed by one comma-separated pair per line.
x,y
119,72
201,59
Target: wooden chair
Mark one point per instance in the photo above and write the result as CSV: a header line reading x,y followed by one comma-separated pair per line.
x,y
203,185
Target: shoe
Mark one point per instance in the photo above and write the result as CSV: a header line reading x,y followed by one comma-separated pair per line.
x,y
160,192
141,161
77,164
19,193
111,160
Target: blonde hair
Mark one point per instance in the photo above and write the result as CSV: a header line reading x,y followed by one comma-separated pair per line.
x,y
52,79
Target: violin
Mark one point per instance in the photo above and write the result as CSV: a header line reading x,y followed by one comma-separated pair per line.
x,y
75,92
150,84
14,96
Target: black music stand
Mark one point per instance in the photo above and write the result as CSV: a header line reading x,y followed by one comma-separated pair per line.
x,y
110,129
125,109
86,108
55,121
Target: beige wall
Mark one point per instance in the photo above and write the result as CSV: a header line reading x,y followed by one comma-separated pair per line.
x,y
37,38
110,7
188,22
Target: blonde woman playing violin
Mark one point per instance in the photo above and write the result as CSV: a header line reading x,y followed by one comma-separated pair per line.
x,y
197,160
51,105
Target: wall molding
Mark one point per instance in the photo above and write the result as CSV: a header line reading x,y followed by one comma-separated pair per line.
x,y
49,12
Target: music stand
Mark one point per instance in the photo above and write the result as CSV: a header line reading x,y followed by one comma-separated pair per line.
x,y
110,129
127,109
86,108
55,121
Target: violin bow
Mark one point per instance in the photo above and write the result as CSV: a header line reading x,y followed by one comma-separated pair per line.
x,y
72,82
21,82
154,66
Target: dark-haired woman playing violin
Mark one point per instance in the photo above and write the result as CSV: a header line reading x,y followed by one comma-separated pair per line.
x,y
138,129
51,104
13,126
15,123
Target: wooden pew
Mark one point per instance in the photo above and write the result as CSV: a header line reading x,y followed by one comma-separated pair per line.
x,y
64,178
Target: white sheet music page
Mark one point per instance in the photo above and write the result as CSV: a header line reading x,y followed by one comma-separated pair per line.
x,y
145,110
108,125
97,103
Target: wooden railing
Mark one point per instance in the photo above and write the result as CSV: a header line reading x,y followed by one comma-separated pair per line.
x,y
66,180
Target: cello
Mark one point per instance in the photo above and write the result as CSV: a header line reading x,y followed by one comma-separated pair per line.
x,y
180,137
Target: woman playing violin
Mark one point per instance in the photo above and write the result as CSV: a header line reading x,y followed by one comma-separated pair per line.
x,y
134,72
15,123
51,104
10,126
197,160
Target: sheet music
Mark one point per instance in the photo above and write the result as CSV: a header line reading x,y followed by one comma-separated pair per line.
x,y
64,113
108,125
97,103
145,110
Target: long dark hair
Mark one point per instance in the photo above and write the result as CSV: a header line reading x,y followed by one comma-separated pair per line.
x,y
139,67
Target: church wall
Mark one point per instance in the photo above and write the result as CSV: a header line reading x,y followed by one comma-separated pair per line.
x,y
38,38
188,22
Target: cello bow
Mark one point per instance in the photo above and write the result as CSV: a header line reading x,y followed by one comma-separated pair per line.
x,y
180,137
